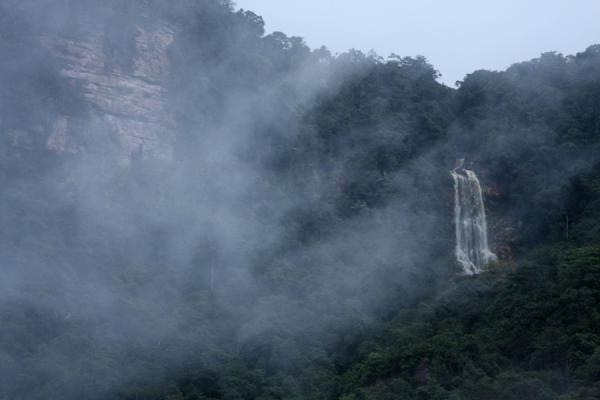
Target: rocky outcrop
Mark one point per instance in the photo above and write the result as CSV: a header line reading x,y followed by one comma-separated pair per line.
x,y
502,228
129,104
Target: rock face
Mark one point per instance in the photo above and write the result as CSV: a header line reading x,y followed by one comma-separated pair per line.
x,y
502,227
128,104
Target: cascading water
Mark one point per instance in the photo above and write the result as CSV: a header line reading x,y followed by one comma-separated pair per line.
x,y
472,251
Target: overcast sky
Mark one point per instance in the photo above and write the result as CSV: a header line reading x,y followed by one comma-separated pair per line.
x,y
457,36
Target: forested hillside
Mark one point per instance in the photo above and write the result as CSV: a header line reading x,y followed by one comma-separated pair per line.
x,y
195,209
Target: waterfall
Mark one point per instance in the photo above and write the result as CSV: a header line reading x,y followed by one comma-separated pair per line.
x,y
472,251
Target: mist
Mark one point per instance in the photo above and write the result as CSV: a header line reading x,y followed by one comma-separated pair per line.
x,y
142,246
191,205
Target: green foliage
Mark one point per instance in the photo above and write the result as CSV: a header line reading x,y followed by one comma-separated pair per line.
x,y
534,334
358,298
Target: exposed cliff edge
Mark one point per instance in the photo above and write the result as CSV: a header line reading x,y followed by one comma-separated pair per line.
x,y
128,101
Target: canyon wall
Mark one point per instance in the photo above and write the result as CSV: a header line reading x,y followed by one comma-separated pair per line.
x,y
127,100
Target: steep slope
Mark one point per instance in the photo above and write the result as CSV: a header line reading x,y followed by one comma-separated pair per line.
x,y
194,209
127,96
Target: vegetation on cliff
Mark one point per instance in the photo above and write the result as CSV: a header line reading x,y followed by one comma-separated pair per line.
x,y
299,244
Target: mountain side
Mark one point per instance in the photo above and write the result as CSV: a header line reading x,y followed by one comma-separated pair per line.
x,y
195,209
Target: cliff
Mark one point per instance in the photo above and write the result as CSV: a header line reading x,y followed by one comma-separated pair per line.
x,y
127,99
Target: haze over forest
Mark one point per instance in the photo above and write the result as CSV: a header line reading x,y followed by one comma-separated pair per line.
x,y
457,37
193,208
